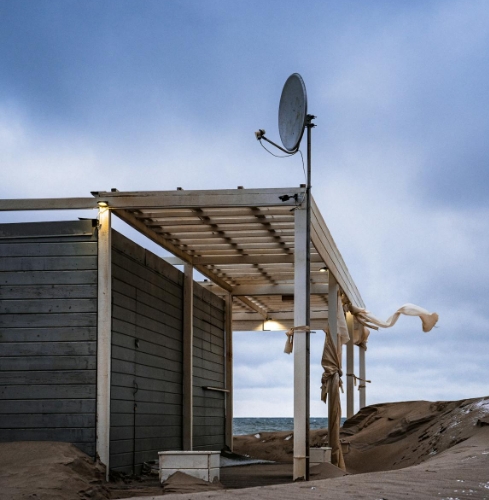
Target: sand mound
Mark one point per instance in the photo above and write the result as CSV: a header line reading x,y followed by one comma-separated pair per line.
x,y
49,471
183,483
385,436
415,449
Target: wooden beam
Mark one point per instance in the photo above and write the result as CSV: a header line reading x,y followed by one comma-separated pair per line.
x,y
48,204
278,315
301,351
200,199
350,368
259,310
256,325
229,373
256,290
188,357
251,259
139,226
326,247
104,340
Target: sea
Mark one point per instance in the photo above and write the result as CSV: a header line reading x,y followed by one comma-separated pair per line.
x,y
254,425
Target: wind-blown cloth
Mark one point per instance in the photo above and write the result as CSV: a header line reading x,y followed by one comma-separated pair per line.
x,y
330,387
367,319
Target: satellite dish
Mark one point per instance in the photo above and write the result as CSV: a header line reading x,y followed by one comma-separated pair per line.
x,y
292,112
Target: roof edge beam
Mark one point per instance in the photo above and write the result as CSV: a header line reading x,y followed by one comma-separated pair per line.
x,y
48,204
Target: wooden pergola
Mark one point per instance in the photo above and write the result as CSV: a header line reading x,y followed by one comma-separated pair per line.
x,y
250,246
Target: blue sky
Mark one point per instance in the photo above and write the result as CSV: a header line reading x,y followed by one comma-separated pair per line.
x,y
159,94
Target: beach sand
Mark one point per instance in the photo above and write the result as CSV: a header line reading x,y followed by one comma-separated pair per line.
x,y
392,451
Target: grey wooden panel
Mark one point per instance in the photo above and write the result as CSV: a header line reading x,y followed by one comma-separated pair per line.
x,y
144,419
119,461
48,292
48,349
157,444
48,377
42,306
76,362
32,421
69,435
202,401
150,384
48,263
145,395
157,346
59,334
143,431
45,406
48,319
133,272
149,360
49,277
133,332
127,247
62,229
212,423
126,407
47,391
31,249
149,324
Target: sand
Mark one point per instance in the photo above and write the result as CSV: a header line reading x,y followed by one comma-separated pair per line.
x,y
413,450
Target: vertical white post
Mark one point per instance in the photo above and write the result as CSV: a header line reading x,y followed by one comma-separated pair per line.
x,y
104,333
363,375
188,357
301,353
350,368
229,372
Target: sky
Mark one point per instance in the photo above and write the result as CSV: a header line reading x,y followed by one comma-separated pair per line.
x,y
153,95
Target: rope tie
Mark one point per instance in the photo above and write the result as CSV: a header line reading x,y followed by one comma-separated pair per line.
x,y
355,378
289,343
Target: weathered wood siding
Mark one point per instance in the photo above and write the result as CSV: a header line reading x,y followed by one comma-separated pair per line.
x,y
146,356
48,315
147,359
208,370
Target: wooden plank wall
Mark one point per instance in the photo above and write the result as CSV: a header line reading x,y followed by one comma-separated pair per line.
x,y
48,315
209,357
147,359
146,356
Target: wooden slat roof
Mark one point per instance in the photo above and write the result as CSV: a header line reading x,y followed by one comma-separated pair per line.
x,y
242,240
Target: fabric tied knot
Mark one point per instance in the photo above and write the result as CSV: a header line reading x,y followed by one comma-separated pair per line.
x,y
355,378
289,343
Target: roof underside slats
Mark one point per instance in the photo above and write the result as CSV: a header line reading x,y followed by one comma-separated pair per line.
x,y
243,242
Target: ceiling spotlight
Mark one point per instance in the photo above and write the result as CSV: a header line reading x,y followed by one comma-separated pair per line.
x,y
323,269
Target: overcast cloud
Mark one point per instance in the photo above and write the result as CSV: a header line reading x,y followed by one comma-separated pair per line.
x,y
155,95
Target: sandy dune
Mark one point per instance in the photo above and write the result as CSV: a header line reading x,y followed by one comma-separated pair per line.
x,y
392,451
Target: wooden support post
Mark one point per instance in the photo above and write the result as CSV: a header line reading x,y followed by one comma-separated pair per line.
x,y
301,350
188,357
229,372
350,368
362,389
104,340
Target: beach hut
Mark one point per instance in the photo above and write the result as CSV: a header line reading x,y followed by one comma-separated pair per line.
x,y
249,244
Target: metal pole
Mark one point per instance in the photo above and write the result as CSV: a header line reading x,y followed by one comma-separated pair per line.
x,y
309,126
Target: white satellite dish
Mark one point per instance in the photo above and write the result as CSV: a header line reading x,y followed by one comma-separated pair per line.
x,y
292,113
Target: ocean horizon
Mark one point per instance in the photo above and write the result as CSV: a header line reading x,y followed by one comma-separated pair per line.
x,y
254,425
